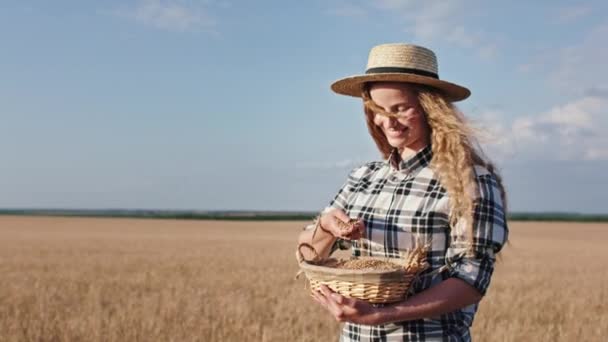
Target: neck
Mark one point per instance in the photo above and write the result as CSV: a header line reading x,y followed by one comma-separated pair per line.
x,y
410,150
406,152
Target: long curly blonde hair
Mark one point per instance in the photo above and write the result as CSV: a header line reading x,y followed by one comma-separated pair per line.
x,y
455,151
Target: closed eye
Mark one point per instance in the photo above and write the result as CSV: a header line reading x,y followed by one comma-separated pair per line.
x,y
399,107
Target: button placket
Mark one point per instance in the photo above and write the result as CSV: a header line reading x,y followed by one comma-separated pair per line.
x,y
383,199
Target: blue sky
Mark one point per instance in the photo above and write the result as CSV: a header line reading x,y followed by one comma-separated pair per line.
x,y
226,104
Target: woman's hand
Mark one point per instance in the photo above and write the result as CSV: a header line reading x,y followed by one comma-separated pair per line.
x,y
333,224
346,309
339,225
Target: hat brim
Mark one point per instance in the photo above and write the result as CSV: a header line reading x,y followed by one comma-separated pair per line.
x,y
353,85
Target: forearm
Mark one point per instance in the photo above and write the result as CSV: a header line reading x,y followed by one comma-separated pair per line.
x,y
449,295
320,240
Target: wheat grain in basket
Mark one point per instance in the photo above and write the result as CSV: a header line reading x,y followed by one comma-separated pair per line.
x,y
373,279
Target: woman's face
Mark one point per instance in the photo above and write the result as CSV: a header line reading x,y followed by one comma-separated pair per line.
x,y
409,132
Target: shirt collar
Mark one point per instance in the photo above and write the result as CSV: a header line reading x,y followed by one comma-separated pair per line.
x,y
413,163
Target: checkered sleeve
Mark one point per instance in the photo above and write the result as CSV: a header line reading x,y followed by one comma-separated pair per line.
x,y
343,200
490,232
340,200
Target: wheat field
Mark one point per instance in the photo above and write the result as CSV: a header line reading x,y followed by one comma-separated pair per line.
x,y
102,279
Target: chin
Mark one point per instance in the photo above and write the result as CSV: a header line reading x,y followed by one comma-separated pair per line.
x,y
397,144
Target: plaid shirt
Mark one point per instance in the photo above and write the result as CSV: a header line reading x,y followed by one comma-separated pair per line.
x,y
402,203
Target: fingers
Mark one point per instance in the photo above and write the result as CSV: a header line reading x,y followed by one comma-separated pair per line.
x,y
345,309
340,215
345,234
332,305
339,299
320,298
342,308
360,227
353,232
329,224
358,230
354,235
336,297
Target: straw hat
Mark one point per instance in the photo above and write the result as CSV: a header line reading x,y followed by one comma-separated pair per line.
x,y
400,63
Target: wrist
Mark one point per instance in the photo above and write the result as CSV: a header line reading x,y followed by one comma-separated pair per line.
x,y
380,315
390,314
322,229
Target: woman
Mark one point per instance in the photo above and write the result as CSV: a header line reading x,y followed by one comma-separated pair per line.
x,y
433,187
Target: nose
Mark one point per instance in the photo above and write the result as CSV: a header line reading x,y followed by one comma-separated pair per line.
x,y
390,122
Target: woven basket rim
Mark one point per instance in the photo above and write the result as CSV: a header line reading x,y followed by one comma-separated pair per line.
x,y
306,266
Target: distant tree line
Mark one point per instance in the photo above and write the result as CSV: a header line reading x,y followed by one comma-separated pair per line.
x,y
261,215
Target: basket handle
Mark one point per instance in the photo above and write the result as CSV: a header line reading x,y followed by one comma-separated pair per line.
x,y
300,256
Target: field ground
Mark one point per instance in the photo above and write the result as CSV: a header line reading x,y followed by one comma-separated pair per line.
x,y
103,279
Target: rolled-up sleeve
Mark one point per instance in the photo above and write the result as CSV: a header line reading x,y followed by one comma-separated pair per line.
x,y
472,260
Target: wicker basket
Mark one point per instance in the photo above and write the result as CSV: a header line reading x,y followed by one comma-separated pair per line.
x,y
374,286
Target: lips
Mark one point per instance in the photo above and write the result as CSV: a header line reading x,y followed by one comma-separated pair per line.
x,y
396,132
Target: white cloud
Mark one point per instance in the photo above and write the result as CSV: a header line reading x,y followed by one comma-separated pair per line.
x,y
172,15
494,134
572,13
526,67
446,20
429,22
579,66
573,131
597,154
575,70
